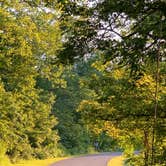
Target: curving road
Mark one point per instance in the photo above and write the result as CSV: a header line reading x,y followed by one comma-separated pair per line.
x,y
91,160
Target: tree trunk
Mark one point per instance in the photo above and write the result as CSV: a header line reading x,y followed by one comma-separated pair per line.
x,y
146,147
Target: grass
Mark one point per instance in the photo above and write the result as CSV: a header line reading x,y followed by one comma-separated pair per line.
x,y
46,162
4,161
116,161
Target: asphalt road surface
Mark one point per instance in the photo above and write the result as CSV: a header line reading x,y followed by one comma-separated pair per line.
x,y
91,160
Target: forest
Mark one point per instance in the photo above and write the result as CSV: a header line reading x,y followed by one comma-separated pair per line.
x,y
81,76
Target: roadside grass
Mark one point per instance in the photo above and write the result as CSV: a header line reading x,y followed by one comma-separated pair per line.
x,y
46,162
116,161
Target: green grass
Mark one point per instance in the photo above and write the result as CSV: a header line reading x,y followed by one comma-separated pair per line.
x,y
46,162
116,161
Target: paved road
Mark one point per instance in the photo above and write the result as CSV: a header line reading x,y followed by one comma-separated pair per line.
x,y
91,160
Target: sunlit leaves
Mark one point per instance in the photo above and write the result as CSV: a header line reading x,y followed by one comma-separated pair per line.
x,y
30,39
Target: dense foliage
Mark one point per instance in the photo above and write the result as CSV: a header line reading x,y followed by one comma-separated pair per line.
x,y
28,42
75,134
129,36
79,76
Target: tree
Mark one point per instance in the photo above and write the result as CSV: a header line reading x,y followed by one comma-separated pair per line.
x,y
73,133
124,109
131,33
30,38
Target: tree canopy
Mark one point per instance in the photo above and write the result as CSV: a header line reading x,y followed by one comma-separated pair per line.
x,y
76,72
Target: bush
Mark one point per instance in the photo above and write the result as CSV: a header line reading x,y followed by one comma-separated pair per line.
x,y
50,151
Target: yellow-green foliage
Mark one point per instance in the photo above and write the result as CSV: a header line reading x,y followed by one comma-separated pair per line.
x,y
46,162
117,161
26,34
